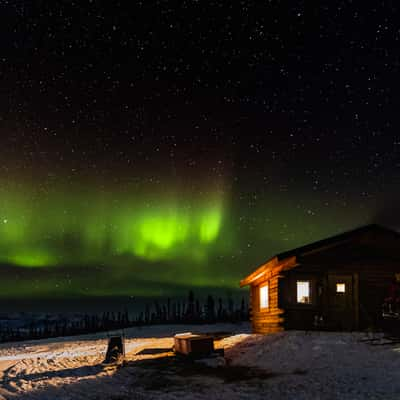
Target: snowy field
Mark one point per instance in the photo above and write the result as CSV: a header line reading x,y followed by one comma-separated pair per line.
x,y
290,365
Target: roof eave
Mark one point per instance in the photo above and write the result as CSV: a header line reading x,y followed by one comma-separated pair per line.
x,y
272,266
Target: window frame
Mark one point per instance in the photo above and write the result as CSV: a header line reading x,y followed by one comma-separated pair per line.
x,y
264,285
310,300
340,292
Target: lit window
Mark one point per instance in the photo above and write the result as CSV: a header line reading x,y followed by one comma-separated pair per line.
x,y
340,288
303,292
264,296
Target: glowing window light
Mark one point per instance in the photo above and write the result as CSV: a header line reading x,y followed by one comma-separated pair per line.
x,y
340,288
303,292
264,301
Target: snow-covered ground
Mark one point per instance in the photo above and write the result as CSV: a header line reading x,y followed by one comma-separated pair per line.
x,y
288,365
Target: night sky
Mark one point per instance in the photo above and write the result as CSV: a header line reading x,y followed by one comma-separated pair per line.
x,y
149,147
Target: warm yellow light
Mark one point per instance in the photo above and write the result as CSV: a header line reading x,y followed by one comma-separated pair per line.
x,y
340,288
264,303
303,292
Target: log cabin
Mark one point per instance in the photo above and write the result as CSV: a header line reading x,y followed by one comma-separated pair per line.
x,y
338,283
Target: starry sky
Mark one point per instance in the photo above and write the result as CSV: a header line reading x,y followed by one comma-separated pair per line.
x,y
149,147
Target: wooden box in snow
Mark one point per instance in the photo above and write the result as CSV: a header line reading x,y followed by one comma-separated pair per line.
x,y
196,345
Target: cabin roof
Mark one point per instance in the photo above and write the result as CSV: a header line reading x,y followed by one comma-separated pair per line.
x,y
336,239
288,259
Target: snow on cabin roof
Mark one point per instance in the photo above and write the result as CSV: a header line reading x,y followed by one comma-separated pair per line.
x,y
289,257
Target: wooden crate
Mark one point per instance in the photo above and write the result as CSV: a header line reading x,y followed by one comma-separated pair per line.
x,y
195,345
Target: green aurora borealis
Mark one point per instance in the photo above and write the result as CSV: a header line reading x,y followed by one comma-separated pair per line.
x,y
71,228
84,240
75,240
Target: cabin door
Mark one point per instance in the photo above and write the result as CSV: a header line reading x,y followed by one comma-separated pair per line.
x,y
341,301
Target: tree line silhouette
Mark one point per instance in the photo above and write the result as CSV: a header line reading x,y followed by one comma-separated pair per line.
x,y
189,311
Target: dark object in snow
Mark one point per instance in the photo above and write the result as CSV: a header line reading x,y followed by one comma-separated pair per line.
x,y
391,324
115,350
338,283
194,345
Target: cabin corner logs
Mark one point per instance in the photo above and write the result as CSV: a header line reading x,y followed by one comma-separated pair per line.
x,y
347,278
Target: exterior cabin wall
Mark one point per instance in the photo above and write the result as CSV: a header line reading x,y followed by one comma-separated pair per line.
x,y
374,284
349,277
367,286
266,320
300,315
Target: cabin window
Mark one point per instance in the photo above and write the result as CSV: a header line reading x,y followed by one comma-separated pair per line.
x,y
340,287
303,292
264,300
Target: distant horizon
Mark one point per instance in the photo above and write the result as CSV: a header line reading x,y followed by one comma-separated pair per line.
x,y
91,304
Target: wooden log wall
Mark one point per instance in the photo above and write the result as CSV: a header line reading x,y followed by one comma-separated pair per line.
x,y
270,319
